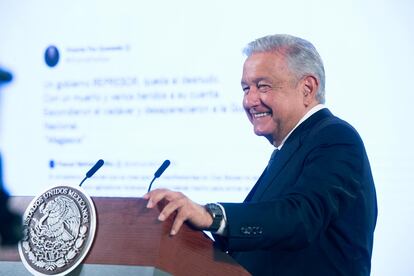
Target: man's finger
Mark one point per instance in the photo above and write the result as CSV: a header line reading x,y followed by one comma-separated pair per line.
x,y
178,222
155,196
169,209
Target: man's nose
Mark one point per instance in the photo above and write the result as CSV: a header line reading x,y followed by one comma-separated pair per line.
x,y
252,98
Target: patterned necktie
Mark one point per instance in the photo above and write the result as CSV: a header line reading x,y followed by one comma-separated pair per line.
x,y
263,178
272,159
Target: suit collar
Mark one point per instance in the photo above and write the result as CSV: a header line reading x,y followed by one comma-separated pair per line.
x,y
291,145
312,111
301,131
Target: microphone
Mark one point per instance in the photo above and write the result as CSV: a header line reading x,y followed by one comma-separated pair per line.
x,y
92,171
159,172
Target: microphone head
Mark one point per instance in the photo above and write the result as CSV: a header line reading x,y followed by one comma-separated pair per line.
x,y
96,167
163,167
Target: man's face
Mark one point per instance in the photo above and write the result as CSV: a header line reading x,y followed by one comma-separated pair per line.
x,y
273,97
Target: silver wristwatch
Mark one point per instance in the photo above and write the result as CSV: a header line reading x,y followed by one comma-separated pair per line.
x,y
217,214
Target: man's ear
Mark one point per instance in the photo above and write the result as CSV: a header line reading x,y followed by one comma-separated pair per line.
x,y
310,86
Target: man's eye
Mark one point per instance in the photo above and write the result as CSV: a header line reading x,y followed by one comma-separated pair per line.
x,y
245,89
263,87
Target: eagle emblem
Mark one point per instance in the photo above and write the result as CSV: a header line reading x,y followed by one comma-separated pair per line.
x,y
62,219
57,231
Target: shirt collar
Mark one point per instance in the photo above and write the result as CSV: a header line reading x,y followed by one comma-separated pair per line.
x,y
312,111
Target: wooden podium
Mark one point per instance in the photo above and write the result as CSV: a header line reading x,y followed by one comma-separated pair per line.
x,y
130,240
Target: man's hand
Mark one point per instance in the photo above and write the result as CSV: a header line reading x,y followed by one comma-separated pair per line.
x,y
186,209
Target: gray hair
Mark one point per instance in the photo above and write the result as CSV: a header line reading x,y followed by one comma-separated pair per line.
x,y
302,57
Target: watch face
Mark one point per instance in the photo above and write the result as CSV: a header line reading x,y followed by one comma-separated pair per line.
x,y
214,209
217,214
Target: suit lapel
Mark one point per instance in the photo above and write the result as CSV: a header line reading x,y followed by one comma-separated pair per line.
x,y
281,159
253,190
292,144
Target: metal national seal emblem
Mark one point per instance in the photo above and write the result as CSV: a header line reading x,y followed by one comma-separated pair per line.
x,y
59,228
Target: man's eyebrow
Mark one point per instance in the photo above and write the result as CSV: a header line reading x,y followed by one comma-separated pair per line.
x,y
256,80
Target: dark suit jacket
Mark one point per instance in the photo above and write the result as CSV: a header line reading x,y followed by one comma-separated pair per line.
x,y
314,212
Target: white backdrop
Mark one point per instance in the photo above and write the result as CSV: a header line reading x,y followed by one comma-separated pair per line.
x,y
137,83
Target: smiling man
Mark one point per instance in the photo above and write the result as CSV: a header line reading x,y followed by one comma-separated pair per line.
x,y
313,210
275,98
